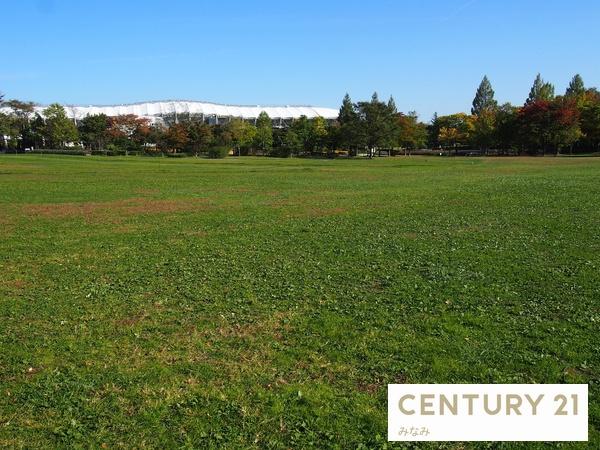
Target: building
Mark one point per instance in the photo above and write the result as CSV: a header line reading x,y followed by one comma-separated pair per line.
x,y
210,112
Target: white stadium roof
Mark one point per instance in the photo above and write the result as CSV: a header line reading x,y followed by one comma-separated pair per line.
x,y
154,109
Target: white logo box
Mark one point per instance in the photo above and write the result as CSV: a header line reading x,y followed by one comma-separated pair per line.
x,y
471,412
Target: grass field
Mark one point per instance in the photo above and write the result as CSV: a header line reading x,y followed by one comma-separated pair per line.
x,y
267,303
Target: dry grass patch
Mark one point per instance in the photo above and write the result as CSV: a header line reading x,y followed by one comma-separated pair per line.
x,y
102,211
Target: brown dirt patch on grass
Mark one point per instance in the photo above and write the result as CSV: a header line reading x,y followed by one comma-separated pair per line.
x,y
132,320
273,326
16,285
99,211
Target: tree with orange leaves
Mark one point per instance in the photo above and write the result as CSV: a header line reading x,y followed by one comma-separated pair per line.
x,y
128,131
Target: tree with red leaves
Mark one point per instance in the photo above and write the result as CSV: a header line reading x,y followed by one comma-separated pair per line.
x,y
549,124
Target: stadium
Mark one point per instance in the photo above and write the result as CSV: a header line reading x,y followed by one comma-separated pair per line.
x,y
211,112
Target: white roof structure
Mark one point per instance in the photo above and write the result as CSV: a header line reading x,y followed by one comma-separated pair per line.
x,y
157,109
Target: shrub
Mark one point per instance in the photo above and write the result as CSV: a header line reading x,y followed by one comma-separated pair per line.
x,y
218,152
49,151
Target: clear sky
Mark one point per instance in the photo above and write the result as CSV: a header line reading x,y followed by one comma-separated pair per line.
x,y
430,55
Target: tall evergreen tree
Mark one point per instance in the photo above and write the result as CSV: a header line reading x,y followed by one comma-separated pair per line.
x,y
347,112
541,90
484,98
393,132
392,105
576,89
433,131
349,135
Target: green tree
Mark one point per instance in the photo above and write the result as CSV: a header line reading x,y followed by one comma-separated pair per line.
x,y
393,131
302,129
433,131
349,136
242,134
540,90
484,129
6,124
507,127
484,98
590,119
576,89
93,130
263,140
200,136
378,123
292,143
21,113
59,129
317,135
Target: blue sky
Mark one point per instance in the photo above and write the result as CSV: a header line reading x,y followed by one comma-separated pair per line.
x,y
430,55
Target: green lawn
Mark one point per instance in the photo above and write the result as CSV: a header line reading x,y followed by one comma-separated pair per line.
x,y
267,303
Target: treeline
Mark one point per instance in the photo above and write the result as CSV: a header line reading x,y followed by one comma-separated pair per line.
x,y
545,123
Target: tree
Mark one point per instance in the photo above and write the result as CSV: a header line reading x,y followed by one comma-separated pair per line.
x,y
564,124
484,112
317,135
21,116
263,140
507,127
302,130
59,129
93,130
5,128
455,130
484,129
37,130
377,123
155,139
540,90
349,134
433,131
242,134
128,132
392,124
484,98
576,89
412,134
549,125
200,136
590,119
292,144
177,137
